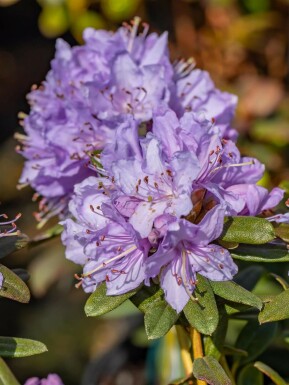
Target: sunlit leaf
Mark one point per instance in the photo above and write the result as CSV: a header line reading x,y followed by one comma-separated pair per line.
x,y
100,303
248,230
20,347
277,309
269,372
231,291
6,376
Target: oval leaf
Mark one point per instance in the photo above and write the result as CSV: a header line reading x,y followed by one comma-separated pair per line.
x,y
202,313
249,376
231,291
208,369
20,347
214,344
13,243
99,303
251,230
6,376
274,376
268,253
13,287
159,318
277,309
255,339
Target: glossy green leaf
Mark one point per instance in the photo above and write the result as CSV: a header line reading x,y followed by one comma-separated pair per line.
x,y
231,291
159,318
249,277
268,253
255,339
214,344
208,369
269,372
99,303
277,309
13,287
10,244
20,347
250,230
202,313
6,376
250,376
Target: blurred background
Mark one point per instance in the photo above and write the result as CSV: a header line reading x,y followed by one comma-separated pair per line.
x,y
244,46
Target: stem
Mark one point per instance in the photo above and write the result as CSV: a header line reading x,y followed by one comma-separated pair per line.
x,y
185,350
197,348
224,363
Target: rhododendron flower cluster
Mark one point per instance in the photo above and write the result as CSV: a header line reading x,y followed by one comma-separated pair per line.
x,y
139,156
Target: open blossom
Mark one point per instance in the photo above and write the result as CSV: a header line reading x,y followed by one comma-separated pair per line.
x,y
52,379
103,241
160,206
89,91
185,251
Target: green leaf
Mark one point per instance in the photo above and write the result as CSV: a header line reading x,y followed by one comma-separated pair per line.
x,y
202,313
255,339
6,376
277,309
145,296
231,291
251,230
269,372
100,303
214,344
249,277
13,287
232,351
282,231
20,347
281,280
13,243
268,253
208,369
250,376
159,318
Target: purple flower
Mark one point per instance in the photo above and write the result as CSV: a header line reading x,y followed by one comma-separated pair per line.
x,y
103,241
52,379
185,251
195,91
89,91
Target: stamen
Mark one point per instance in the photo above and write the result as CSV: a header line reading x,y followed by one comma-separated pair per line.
x,y
135,24
132,248
233,165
